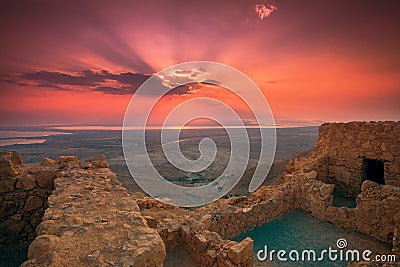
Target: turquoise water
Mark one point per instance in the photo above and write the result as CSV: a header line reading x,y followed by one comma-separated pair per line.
x,y
300,231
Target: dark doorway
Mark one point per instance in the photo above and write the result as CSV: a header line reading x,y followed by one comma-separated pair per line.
x,y
374,171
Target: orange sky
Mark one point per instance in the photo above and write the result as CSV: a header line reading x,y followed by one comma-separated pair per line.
x,y
79,63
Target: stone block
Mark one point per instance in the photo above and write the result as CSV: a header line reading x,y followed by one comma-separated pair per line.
x,y
7,184
326,191
8,208
311,175
32,203
26,182
41,245
45,178
67,159
241,252
47,162
151,221
367,184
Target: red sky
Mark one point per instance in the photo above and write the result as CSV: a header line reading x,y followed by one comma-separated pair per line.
x,y
78,62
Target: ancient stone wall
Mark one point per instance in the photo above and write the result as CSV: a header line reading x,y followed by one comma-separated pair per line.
x,y
339,158
376,215
209,249
241,214
91,220
342,149
191,230
23,197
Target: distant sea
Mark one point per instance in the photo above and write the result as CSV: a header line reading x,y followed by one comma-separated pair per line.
x,y
15,137
25,135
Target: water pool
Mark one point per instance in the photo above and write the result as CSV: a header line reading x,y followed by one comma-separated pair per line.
x,y
300,231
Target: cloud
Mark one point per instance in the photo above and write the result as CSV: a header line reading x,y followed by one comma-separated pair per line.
x,y
178,77
211,82
181,90
265,10
102,81
113,90
191,74
60,78
13,82
126,77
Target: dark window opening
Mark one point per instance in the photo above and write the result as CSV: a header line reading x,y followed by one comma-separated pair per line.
x,y
374,171
340,200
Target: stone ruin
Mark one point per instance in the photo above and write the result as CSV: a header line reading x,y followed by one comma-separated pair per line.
x,y
23,197
89,219
347,154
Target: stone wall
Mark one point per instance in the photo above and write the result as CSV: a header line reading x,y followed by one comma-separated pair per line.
x,y
342,148
23,197
208,249
191,230
241,214
376,215
91,220
203,232
339,158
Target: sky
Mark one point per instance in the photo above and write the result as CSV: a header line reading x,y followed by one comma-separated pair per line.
x,y
80,62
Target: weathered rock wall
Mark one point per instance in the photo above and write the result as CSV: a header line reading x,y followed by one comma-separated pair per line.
x,y
208,249
191,230
376,215
23,197
339,158
342,148
91,220
241,214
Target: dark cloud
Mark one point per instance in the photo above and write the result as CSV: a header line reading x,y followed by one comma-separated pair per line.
x,y
60,78
126,77
180,90
112,90
11,81
211,82
51,85
124,83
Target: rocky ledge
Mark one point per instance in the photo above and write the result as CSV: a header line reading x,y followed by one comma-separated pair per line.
x,y
91,220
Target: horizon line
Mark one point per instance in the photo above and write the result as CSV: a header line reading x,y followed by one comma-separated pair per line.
x,y
197,127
